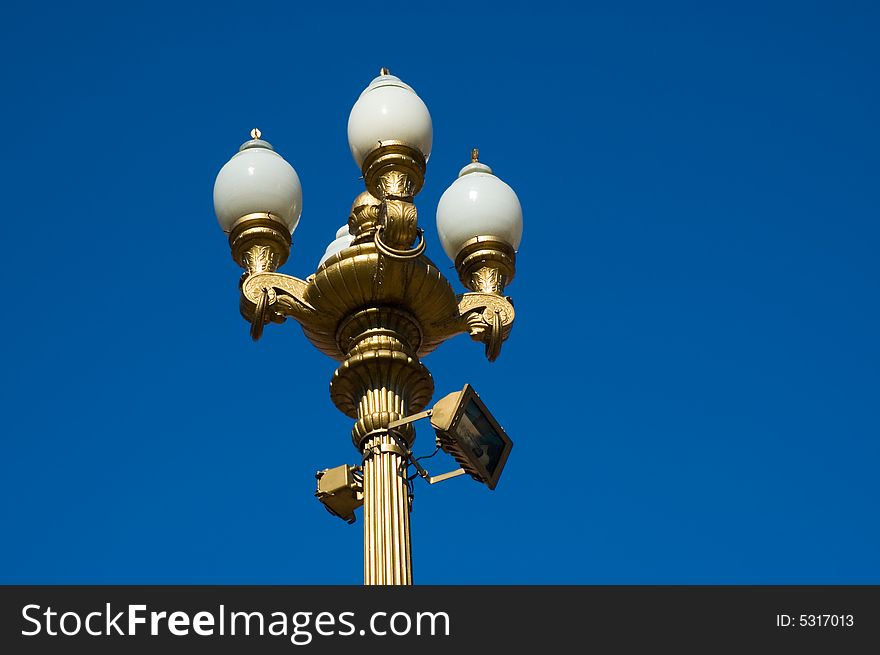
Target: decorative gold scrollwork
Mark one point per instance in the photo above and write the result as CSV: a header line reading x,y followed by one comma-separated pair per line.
x,y
400,222
488,318
397,185
273,297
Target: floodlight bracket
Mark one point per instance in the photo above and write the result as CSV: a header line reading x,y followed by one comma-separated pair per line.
x,y
406,420
401,448
445,476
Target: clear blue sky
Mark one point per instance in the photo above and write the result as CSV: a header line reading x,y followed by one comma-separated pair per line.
x,y
693,380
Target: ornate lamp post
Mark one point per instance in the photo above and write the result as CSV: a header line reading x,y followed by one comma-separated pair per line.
x,y
376,303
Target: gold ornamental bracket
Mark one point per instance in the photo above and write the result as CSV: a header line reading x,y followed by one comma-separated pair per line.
x,y
394,173
274,297
290,292
488,319
486,265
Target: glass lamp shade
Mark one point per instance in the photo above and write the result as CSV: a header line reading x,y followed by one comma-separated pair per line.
x,y
388,110
257,179
343,240
478,204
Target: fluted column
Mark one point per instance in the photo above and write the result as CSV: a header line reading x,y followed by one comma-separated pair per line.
x,y
387,550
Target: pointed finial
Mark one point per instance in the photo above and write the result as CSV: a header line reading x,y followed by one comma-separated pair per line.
x,y
256,134
384,71
475,155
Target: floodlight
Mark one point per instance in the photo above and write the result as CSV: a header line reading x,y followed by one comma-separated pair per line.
x,y
467,431
341,490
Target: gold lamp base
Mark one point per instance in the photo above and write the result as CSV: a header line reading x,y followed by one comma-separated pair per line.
x,y
259,242
486,264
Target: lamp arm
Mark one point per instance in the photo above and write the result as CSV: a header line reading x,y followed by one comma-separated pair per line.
x,y
275,297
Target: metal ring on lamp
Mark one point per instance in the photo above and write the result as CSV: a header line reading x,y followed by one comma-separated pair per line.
x,y
394,253
493,343
260,314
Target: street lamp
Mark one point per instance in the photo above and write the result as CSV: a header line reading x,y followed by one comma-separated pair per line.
x,y
376,303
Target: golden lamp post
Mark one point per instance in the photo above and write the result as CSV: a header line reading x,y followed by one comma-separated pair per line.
x,y
377,304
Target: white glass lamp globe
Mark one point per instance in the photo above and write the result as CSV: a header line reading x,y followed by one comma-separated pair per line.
x,y
257,179
343,240
478,204
388,110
